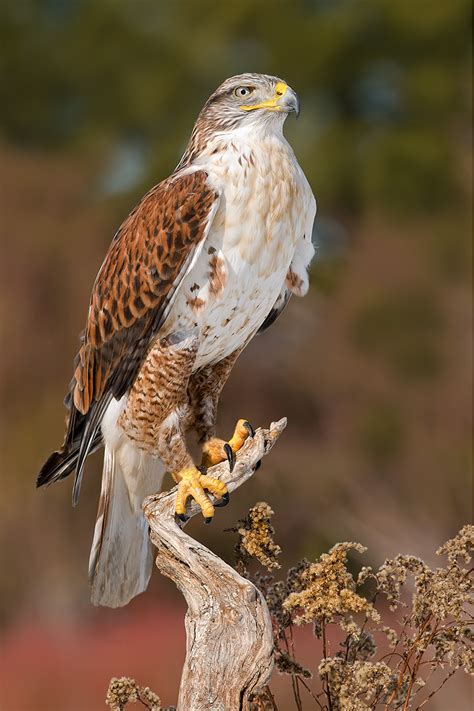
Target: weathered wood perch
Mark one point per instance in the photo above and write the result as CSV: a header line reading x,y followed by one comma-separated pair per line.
x,y
229,647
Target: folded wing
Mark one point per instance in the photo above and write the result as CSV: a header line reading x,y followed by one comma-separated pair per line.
x,y
149,256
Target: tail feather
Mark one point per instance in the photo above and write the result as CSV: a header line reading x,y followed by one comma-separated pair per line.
x,y
121,558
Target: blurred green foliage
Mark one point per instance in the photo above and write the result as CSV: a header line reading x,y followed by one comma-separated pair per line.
x,y
404,327
328,274
380,432
382,83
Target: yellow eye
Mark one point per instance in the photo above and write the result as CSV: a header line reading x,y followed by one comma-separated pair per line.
x,y
243,91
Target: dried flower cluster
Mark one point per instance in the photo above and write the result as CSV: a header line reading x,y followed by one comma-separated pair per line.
x,y
361,688
125,690
256,538
328,589
376,666
434,626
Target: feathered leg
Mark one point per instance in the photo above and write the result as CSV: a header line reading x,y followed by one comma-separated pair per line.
x,y
163,385
205,387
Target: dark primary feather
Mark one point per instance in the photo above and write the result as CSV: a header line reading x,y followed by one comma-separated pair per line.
x,y
63,462
93,420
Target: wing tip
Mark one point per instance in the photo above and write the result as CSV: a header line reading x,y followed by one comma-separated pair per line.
x,y
53,469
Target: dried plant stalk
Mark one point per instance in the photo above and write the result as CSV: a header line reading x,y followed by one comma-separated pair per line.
x,y
229,652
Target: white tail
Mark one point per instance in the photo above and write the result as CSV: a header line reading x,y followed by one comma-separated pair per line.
x,y
121,558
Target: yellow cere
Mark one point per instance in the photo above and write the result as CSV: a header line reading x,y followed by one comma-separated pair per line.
x,y
280,90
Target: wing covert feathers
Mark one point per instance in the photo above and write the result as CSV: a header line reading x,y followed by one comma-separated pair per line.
x,y
143,268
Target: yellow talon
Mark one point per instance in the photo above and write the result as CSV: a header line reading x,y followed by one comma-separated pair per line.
x,y
215,450
193,483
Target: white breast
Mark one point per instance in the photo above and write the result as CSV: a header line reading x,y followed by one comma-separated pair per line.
x,y
244,261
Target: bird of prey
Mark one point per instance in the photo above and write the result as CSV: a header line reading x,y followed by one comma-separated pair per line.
x,y
207,259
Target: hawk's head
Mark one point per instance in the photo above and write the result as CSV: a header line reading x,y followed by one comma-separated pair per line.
x,y
256,101
249,98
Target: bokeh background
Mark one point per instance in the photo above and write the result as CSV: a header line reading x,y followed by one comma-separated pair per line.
x,y
372,369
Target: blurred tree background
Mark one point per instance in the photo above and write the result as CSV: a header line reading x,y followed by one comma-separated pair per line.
x,y
373,368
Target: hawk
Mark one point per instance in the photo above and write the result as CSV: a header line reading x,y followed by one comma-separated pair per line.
x,y
207,259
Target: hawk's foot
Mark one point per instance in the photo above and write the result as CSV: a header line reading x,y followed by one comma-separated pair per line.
x,y
215,450
193,483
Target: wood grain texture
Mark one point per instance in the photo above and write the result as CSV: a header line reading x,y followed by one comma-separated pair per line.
x,y
229,650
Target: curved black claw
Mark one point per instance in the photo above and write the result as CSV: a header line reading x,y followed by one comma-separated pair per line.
x,y
208,520
182,517
223,501
258,465
249,429
230,456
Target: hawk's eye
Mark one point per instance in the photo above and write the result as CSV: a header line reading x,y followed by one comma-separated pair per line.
x,y
242,91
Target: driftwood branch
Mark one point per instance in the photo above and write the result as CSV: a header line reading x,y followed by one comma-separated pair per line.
x,y
229,651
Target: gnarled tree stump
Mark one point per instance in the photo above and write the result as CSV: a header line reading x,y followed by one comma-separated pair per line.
x,y
229,649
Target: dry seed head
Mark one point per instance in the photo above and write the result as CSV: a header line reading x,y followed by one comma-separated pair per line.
x,y
149,698
461,546
256,537
354,686
120,692
328,589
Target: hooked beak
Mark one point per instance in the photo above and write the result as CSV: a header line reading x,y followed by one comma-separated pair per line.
x,y
290,102
284,99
